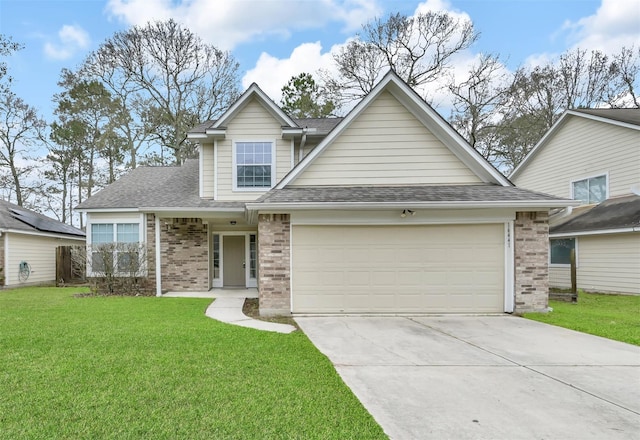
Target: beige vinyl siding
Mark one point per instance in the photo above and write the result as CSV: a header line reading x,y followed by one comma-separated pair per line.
x,y
584,148
606,263
386,145
208,178
254,122
401,269
39,252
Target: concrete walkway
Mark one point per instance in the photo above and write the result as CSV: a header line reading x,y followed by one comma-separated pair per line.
x,y
475,377
227,308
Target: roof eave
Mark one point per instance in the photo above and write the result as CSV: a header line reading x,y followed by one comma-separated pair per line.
x,y
594,232
300,206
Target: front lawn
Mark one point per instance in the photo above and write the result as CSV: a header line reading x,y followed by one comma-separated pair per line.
x,y
610,316
140,367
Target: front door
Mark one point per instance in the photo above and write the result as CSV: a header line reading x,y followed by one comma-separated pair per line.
x,y
233,254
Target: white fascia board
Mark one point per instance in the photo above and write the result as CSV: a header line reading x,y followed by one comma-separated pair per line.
x,y
595,232
106,210
197,136
523,204
43,234
213,132
603,119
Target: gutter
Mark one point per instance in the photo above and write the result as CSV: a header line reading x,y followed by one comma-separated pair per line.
x,y
595,232
538,204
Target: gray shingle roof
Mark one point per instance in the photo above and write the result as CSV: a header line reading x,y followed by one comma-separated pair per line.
x,y
617,213
628,115
152,187
10,220
402,194
322,125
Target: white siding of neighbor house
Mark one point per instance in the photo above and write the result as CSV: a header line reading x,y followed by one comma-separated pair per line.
x,y
606,263
207,177
255,123
386,145
580,149
39,252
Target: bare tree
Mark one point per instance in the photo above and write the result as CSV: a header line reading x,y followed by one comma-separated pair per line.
x,y
20,129
477,104
168,80
418,48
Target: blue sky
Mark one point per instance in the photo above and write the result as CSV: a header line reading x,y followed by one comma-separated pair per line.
x,y
275,39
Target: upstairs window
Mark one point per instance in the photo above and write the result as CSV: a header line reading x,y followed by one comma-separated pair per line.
x,y
591,190
253,165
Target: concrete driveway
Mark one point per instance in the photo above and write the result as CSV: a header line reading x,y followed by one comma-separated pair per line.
x,y
490,377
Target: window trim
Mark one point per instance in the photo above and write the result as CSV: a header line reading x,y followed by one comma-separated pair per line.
x,y
592,176
115,221
575,246
234,161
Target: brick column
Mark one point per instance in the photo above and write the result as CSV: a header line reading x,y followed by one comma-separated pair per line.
x,y
274,263
531,234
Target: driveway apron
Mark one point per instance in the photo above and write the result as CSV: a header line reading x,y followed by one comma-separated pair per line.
x,y
489,377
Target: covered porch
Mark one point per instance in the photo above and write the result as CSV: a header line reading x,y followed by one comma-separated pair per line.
x,y
203,254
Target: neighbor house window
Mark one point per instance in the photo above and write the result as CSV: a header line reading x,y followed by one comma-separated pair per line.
x,y
253,165
115,247
560,250
591,190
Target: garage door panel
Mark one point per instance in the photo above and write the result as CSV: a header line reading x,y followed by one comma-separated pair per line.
x,y
444,268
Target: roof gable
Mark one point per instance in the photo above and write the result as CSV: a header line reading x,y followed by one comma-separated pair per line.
x,y
254,92
626,118
410,103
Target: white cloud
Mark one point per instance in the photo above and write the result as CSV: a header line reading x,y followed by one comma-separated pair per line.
x,y
272,73
228,24
71,38
615,24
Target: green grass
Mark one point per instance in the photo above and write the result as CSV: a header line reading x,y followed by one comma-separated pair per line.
x,y
140,367
611,316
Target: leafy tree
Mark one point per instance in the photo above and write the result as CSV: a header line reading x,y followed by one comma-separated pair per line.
x,y
89,112
418,48
167,79
303,98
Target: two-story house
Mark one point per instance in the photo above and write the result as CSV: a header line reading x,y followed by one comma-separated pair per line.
x,y
592,156
387,210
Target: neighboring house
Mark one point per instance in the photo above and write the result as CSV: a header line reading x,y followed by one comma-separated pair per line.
x,y
592,156
387,210
28,243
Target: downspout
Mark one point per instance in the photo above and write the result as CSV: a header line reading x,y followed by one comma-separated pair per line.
x,y
303,141
158,262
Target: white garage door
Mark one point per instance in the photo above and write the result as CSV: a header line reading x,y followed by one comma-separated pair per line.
x,y
398,269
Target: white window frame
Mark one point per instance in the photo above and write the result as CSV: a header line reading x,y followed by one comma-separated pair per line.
x,y
575,247
235,166
115,221
587,178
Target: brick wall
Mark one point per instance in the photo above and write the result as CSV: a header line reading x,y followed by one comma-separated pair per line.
x,y
274,258
531,239
184,254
